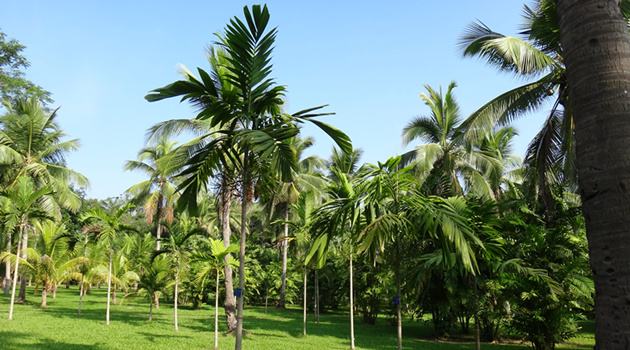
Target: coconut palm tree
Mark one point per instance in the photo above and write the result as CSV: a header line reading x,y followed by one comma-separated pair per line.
x,y
48,259
33,145
445,157
594,37
157,194
251,130
537,56
24,205
108,226
176,248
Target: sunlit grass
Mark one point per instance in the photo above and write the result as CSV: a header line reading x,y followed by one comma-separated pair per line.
x,y
59,328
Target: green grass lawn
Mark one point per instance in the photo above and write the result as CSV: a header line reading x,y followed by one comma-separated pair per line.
x,y
59,328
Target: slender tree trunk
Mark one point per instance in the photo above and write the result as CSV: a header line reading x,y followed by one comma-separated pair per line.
x,y
54,290
44,297
398,306
151,310
316,297
22,296
351,305
247,195
156,299
285,249
477,333
81,292
158,235
175,300
6,283
216,314
15,274
109,288
305,299
224,215
596,47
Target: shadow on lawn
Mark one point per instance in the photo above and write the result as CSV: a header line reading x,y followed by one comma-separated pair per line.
x,y
15,340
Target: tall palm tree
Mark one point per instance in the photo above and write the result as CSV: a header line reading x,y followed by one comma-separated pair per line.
x,y
157,193
594,36
32,144
306,178
537,56
251,130
445,157
26,205
108,226
176,249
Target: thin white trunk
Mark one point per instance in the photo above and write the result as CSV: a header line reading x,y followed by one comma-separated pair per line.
x,y
351,307
216,314
304,317
109,288
7,268
15,274
175,301
158,234
285,252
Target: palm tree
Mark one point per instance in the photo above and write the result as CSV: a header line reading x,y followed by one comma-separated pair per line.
x,y
157,193
251,131
153,280
107,226
25,205
537,56
394,209
176,249
594,37
212,264
445,157
48,259
307,178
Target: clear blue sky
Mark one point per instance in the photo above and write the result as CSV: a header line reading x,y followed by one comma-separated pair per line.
x,y
368,60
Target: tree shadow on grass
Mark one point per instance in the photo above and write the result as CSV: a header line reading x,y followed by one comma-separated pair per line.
x,y
16,340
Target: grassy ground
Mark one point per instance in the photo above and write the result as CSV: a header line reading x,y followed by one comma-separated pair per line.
x,y
59,328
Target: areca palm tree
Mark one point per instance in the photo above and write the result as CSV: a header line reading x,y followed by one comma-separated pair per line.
x,y
108,226
306,179
158,193
176,249
251,131
394,209
24,205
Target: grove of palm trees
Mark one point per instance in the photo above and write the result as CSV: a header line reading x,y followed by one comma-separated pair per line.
x,y
241,234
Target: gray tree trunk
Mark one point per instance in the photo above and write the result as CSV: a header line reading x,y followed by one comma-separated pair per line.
x,y
245,200
224,217
596,47
316,297
109,288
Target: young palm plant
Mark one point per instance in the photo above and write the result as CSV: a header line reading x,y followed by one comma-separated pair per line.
x,y
108,226
176,249
24,205
212,264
